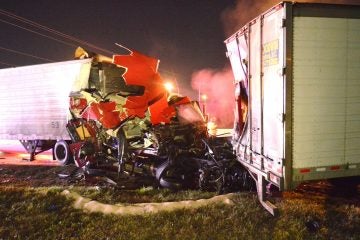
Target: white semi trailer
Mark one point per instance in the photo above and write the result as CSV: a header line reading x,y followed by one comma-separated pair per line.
x,y
34,103
297,79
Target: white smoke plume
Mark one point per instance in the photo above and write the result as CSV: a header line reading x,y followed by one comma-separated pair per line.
x,y
218,86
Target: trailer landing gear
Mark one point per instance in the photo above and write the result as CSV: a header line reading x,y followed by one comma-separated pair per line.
x,y
34,147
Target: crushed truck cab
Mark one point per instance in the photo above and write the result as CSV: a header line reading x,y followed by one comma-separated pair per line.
x,y
114,114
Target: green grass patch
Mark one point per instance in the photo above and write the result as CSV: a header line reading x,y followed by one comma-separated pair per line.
x,y
43,213
32,207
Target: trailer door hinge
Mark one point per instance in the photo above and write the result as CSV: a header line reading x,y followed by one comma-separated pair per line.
x,y
284,71
283,117
283,24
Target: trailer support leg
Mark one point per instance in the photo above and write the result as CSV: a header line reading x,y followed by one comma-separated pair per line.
x,y
34,147
30,146
261,190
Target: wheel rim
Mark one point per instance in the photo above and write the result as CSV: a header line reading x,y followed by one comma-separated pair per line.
x,y
60,153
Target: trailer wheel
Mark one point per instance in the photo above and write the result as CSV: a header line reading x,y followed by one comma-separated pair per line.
x,y
62,152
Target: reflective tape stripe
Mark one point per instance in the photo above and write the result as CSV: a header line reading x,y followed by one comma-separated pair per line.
x,y
334,168
305,170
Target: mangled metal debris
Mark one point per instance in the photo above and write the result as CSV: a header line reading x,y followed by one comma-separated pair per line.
x,y
126,120
115,115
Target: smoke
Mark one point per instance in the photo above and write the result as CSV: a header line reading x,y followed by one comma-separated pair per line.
x,y
218,86
246,10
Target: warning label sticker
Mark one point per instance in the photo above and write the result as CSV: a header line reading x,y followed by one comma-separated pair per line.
x,y
271,53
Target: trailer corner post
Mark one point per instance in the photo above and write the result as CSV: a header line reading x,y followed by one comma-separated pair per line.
x,y
288,83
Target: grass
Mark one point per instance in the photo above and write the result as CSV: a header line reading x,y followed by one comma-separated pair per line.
x,y
31,212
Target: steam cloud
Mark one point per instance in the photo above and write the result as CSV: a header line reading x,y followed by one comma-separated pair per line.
x,y
218,86
246,10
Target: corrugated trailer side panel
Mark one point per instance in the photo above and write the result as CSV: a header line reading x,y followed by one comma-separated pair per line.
x,y
326,96
34,100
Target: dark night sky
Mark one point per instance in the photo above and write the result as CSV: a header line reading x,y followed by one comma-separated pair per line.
x,y
185,35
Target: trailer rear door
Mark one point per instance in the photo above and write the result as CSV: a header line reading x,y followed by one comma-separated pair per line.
x,y
273,87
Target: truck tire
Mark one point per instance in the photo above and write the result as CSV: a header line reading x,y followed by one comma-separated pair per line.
x,y
62,152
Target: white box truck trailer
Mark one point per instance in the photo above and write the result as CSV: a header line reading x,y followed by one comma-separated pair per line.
x,y
34,102
297,81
